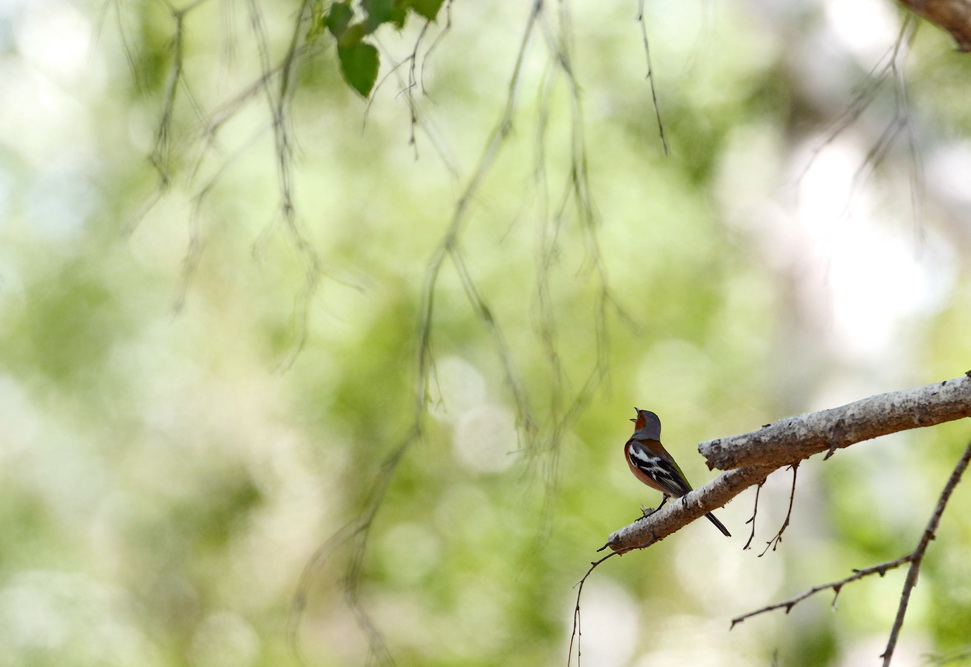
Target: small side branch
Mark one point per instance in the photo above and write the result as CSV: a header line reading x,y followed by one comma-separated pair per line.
x,y
755,514
575,634
777,538
918,555
914,559
650,77
835,586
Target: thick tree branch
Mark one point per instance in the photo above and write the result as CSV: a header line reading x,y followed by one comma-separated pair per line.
x,y
952,15
756,455
679,512
793,439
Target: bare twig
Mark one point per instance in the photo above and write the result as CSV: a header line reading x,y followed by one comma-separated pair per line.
x,y
279,109
354,536
889,68
914,559
650,77
918,555
448,246
777,538
755,513
835,586
900,122
575,634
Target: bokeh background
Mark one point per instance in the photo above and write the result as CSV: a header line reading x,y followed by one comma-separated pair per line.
x,y
229,436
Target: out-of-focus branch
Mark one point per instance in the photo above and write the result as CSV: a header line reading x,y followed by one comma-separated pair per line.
x,y
756,455
918,555
952,15
793,439
914,559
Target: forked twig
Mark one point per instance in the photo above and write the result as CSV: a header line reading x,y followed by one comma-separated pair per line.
x,y
575,634
755,513
918,555
914,558
777,538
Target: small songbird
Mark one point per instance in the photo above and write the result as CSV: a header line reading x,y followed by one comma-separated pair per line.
x,y
652,464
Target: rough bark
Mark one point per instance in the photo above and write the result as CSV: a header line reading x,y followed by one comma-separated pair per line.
x,y
751,457
952,15
796,438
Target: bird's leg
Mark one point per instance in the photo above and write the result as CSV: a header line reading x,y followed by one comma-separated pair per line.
x,y
646,512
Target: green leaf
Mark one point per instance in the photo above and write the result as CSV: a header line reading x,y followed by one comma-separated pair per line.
x,y
339,17
398,15
427,8
359,65
378,12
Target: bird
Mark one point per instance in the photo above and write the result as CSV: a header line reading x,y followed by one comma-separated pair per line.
x,y
651,463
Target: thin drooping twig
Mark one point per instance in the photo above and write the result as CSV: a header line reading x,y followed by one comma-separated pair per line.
x,y
575,634
165,153
449,244
650,77
900,122
864,93
576,198
914,558
450,251
777,538
354,537
278,104
755,513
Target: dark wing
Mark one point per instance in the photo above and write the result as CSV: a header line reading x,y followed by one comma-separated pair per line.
x,y
665,473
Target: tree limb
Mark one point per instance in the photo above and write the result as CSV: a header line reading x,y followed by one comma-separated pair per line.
x,y
656,526
951,15
793,439
754,456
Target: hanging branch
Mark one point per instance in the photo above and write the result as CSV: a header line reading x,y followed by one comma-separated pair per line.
x,y
777,538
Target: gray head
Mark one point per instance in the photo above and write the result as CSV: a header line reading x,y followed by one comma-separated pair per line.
x,y
647,426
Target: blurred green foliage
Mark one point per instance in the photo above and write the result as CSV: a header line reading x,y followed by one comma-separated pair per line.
x,y
360,60
206,392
